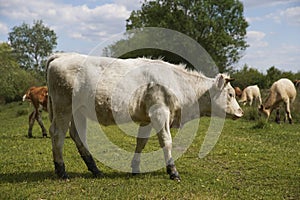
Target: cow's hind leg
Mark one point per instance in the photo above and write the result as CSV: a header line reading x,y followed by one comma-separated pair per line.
x,y
250,101
80,144
31,120
141,141
288,111
58,129
160,118
39,120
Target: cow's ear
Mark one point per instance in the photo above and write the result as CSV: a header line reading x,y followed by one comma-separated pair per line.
x,y
227,80
261,107
220,81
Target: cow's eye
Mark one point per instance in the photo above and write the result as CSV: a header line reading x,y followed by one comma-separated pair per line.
x,y
230,95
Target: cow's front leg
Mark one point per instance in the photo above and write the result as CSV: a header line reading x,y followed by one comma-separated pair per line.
x,y
80,144
78,134
160,118
165,141
277,119
141,140
288,111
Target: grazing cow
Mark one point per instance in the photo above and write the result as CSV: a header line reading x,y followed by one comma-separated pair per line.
x,y
297,83
38,96
249,94
238,92
284,91
149,98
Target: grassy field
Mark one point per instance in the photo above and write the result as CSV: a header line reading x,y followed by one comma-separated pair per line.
x,y
248,162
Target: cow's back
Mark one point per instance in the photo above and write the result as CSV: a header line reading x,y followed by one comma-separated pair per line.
x,y
284,88
254,90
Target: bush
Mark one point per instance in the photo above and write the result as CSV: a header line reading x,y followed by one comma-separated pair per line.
x,y
21,112
251,113
261,124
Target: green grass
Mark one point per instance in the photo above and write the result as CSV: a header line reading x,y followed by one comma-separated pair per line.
x,y
248,162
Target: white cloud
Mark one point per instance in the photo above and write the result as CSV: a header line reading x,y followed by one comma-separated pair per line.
x,y
266,3
129,4
254,19
256,39
291,15
284,57
80,22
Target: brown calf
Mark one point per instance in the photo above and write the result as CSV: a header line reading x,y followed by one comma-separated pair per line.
x,y
38,96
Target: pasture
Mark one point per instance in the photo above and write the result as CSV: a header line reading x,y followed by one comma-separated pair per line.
x,y
248,162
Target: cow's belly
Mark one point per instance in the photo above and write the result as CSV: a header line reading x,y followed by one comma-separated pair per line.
x,y
108,116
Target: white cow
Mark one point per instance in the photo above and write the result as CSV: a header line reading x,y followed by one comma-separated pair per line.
x,y
284,91
249,94
149,92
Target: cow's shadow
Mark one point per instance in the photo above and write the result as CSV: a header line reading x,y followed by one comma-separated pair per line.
x,y
30,177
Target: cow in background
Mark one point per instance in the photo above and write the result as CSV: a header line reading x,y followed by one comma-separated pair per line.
x,y
250,94
284,91
38,96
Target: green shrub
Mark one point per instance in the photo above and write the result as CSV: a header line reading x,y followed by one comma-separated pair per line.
x,y
251,113
21,112
261,124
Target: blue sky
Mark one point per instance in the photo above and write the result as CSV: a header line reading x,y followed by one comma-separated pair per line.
x,y
273,34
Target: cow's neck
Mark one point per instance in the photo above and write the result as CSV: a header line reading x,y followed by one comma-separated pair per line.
x,y
201,85
204,84
271,101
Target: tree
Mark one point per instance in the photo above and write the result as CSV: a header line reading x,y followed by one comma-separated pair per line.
x,y
273,74
33,44
14,81
218,25
248,76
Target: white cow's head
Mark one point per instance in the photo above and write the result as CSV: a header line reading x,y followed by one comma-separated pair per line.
x,y
223,96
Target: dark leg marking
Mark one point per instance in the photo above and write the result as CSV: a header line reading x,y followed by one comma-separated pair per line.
x,y
60,170
83,151
172,171
92,167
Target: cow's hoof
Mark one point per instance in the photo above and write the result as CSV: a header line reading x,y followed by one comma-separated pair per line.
x,y
65,177
45,135
60,171
175,177
98,174
135,171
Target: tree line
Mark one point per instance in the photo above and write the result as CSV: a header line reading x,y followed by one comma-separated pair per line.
x,y
23,58
219,26
251,76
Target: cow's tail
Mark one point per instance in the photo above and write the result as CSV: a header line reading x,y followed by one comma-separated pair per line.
x,y
50,109
51,58
49,104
